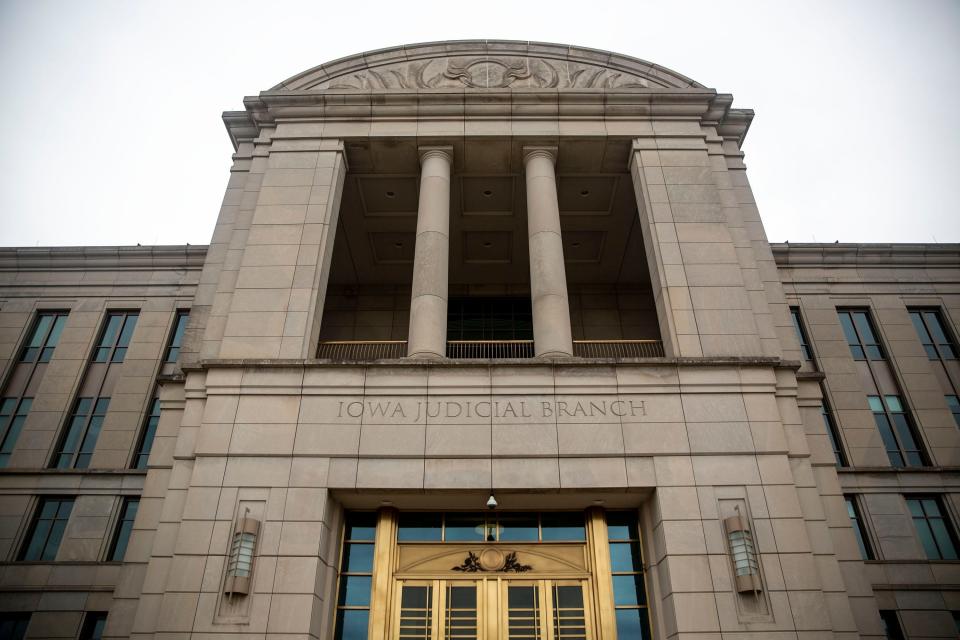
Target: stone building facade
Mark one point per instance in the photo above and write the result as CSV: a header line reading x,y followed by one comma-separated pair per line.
x,y
488,342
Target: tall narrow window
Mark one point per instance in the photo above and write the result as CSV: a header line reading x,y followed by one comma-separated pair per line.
x,y
931,329
116,335
13,625
860,334
891,624
626,563
356,575
830,424
801,334
896,431
46,531
934,528
859,531
176,338
121,536
13,413
149,433
954,403
93,624
76,447
44,336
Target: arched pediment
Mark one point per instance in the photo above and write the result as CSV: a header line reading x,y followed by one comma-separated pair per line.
x,y
486,64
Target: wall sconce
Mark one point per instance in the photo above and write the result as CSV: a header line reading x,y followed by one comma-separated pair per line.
x,y
240,562
745,564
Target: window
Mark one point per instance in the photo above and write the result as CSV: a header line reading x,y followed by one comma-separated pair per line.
x,y
356,576
149,433
831,426
13,413
954,403
93,624
176,338
856,523
860,334
896,431
801,334
46,531
932,332
13,626
76,448
626,563
489,319
933,527
124,528
116,335
44,336
456,526
891,625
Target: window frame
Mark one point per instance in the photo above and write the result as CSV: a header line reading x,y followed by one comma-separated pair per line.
x,y
82,434
119,531
920,314
175,339
148,433
14,619
888,616
115,345
58,315
861,344
861,530
833,429
888,415
27,542
944,515
89,627
799,327
10,429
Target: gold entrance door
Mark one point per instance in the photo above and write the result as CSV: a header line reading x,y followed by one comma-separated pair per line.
x,y
494,608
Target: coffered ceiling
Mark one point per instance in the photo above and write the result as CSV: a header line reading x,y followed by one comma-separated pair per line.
x,y
378,217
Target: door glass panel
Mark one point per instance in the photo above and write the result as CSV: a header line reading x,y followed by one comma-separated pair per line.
x,y
569,621
523,613
416,612
461,614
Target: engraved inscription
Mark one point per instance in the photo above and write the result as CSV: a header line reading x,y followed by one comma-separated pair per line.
x,y
401,410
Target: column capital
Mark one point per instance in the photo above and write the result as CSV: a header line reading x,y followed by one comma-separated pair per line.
x,y
540,151
445,152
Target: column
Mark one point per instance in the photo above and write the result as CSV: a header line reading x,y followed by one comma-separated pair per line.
x,y
427,337
548,279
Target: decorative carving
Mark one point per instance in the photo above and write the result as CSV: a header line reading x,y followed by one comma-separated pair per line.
x,y
492,560
487,72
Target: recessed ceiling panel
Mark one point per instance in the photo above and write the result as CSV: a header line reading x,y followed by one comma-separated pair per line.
x,y
393,247
388,196
581,195
485,247
583,246
487,196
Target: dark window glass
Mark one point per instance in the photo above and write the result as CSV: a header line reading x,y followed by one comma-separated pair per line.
x,y
124,528
93,624
76,448
13,413
46,530
560,526
176,338
891,625
489,319
420,527
115,338
44,336
356,576
856,523
801,334
933,527
626,564
954,403
518,528
13,626
466,527
860,334
149,433
831,426
932,331
896,431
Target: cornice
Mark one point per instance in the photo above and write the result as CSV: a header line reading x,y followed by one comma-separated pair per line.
x,y
945,255
151,257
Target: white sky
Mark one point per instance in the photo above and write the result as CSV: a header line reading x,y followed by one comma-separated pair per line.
x,y
111,109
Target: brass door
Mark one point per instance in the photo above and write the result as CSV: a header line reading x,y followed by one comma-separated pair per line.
x,y
494,608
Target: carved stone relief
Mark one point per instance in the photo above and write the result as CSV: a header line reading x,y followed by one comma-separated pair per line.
x,y
485,72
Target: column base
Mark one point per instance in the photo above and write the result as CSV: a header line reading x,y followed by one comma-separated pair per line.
x,y
426,355
554,355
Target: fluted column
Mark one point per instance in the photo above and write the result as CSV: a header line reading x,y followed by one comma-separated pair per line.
x,y
427,337
548,279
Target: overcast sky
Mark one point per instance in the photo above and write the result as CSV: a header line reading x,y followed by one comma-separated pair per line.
x,y
111,109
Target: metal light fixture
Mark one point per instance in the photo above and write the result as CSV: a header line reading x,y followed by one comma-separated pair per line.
x,y
745,564
491,502
240,563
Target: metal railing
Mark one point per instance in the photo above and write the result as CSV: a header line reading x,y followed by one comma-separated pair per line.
x,y
618,348
362,350
462,349
369,350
